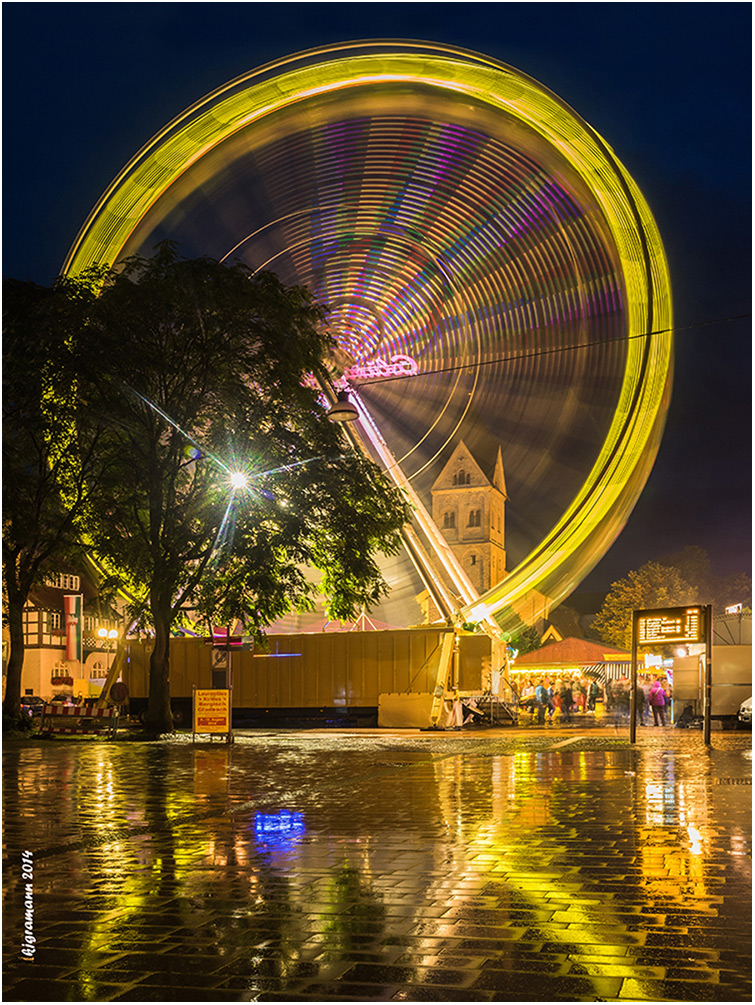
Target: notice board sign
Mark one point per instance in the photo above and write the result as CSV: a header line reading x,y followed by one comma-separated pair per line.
x,y
212,711
670,624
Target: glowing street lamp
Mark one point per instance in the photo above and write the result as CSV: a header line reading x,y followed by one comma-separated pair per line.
x,y
238,480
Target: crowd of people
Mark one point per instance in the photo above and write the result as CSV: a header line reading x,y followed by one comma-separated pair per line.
x,y
559,699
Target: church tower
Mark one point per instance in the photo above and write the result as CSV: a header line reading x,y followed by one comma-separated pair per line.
x,y
469,509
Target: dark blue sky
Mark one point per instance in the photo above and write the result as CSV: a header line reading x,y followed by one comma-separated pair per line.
x,y
667,84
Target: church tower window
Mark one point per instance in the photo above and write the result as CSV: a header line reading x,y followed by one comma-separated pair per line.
x,y
449,519
474,518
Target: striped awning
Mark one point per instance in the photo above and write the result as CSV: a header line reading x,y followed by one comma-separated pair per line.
x,y
608,670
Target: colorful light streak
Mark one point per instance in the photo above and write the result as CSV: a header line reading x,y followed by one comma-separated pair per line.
x,y
506,220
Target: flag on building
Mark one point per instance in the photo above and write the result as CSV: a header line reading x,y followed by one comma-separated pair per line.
x,y
72,607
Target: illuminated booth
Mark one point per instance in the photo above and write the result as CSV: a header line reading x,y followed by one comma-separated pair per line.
x,y
572,658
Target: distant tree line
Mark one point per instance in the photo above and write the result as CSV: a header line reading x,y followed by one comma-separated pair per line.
x,y
673,581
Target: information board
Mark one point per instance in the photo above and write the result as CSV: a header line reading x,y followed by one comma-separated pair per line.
x,y
670,624
212,710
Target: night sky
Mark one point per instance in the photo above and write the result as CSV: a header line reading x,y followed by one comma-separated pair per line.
x,y
667,85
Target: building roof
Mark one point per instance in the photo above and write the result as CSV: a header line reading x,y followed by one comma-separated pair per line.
x,y
462,455
570,651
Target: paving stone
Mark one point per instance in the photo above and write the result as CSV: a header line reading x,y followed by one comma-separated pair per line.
x,y
642,990
545,987
417,993
486,867
172,993
64,990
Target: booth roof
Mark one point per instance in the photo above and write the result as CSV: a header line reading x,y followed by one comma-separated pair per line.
x,y
570,651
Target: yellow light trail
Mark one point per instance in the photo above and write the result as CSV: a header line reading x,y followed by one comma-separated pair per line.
x,y
612,486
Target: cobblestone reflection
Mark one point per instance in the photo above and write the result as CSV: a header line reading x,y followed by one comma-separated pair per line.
x,y
319,867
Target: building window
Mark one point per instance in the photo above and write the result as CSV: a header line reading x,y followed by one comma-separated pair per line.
x,y
474,518
449,519
462,478
31,627
473,559
64,581
52,621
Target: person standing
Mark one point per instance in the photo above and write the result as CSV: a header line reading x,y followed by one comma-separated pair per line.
x,y
557,696
580,694
567,700
645,697
639,703
657,698
528,697
541,701
592,695
551,701
624,694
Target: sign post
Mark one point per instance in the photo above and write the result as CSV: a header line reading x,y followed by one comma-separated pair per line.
x,y
221,668
678,625
212,712
633,682
708,673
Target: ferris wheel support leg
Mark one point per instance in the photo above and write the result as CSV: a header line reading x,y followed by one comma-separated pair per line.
x,y
435,562
445,665
432,583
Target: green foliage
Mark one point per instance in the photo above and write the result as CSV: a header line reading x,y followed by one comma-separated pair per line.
x,y
37,460
199,370
524,638
693,564
653,585
675,580
48,471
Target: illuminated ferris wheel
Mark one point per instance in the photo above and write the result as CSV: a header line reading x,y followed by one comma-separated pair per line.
x,y
491,270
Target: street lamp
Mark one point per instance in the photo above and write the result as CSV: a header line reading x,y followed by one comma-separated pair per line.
x,y
110,635
343,410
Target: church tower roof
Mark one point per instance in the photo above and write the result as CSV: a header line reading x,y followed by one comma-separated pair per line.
x,y
499,479
462,460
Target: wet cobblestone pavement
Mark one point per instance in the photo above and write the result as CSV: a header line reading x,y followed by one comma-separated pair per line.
x,y
379,866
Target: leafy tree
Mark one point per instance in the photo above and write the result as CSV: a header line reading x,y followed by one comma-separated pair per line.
x,y
693,565
652,585
201,369
48,472
734,589
524,638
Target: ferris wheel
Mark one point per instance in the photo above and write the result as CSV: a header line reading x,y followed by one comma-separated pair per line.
x,y
491,270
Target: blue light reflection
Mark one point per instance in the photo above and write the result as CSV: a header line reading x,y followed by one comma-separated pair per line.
x,y
278,828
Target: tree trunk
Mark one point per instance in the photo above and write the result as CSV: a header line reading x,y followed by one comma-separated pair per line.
x,y
12,700
159,716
